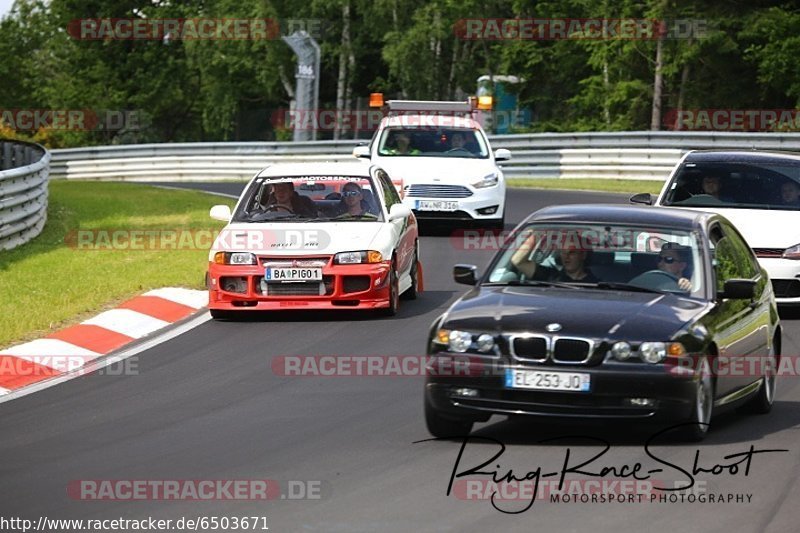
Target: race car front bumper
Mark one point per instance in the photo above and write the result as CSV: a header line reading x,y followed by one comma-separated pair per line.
x,y
244,288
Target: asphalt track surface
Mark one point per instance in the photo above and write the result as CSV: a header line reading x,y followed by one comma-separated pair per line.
x,y
207,405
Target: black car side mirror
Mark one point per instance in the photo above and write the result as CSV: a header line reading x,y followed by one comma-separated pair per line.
x,y
642,198
739,289
465,274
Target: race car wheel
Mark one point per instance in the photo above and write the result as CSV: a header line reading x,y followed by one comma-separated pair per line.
x,y
394,292
411,292
442,427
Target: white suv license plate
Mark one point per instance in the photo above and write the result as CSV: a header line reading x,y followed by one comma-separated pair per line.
x,y
557,381
278,274
437,205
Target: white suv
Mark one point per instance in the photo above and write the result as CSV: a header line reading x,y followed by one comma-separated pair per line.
x,y
445,165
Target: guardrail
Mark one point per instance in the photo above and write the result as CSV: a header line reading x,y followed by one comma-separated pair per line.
x,y
24,169
628,155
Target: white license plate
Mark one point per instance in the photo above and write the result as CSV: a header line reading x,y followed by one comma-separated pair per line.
x,y
437,205
535,379
293,274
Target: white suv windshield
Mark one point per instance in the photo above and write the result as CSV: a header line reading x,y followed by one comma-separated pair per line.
x,y
432,142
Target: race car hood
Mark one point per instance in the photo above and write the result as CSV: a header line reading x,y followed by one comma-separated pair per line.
x,y
297,239
583,313
417,169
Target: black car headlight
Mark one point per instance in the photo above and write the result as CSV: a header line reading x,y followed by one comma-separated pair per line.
x,y
464,341
650,351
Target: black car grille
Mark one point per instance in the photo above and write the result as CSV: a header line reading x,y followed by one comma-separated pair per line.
x,y
533,348
768,252
438,191
310,288
571,351
786,288
540,349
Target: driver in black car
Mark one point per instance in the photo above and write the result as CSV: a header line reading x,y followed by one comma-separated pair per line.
x,y
674,259
285,199
570,255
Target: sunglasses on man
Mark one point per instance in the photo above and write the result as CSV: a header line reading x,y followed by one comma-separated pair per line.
x,y
350,193
668,259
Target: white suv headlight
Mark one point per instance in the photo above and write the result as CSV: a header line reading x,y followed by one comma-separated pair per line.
x,y
489,180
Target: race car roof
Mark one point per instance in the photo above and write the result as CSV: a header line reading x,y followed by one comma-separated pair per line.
x,y
357,167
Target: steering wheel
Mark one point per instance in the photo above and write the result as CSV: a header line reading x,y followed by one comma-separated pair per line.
x,y
460,149
276,207
656,279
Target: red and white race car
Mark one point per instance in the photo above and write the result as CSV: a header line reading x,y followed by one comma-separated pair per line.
x,y
315,236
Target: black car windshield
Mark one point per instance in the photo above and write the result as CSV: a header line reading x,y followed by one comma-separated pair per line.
x,y
310,199
736,185
604,257
432,142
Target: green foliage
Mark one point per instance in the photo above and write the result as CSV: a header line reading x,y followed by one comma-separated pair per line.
x,y
747,55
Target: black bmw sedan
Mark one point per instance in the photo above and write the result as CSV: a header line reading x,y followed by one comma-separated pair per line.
x,y
608,312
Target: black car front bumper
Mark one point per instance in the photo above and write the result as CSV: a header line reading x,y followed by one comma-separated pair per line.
x,y
616,392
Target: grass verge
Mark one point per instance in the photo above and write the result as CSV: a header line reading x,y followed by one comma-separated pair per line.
x,y
55,280
589,184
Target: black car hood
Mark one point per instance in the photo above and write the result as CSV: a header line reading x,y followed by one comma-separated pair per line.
x,y
599,314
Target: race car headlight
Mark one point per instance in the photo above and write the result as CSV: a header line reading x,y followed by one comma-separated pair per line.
x,y
792,252
355,258
235,258
489,180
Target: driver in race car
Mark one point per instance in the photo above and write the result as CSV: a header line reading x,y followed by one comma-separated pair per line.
x,y
570,255
284,198
673,259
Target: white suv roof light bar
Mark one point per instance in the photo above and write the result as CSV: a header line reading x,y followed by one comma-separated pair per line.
x,y
430,106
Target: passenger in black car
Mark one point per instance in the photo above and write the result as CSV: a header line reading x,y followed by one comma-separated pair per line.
x,y
674,260
570,255
790,193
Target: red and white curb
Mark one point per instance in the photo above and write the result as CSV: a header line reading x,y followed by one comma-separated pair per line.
x,y
77,347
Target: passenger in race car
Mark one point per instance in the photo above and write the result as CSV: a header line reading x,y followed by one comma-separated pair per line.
x,y
284,198
790,194
674,259
353,201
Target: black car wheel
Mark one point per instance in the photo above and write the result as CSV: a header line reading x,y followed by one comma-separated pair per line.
x,y
443,427
702,405
411,292
762,402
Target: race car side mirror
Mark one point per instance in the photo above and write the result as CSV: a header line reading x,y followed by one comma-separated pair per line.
x,y
501,154
361,151
220,212
399,211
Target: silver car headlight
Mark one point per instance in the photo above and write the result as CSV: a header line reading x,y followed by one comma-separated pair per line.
x,y
792,252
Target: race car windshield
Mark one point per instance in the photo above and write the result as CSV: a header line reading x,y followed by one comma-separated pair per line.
x,y
310,199
736,185
432,142
603,257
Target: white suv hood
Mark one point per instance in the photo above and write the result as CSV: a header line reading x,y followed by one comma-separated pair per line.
x,y
415,169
